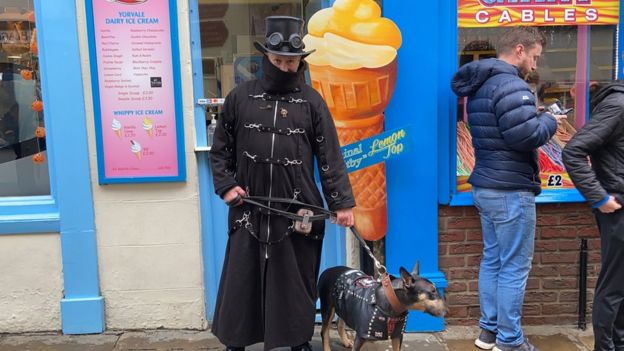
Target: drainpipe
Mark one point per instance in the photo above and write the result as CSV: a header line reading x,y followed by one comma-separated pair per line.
x,y
582,295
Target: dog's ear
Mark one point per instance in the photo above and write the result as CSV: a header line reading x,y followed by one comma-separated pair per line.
x,y
416,269
406,277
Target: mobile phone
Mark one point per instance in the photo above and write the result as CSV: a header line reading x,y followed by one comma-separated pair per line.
x,y
556,108
568,110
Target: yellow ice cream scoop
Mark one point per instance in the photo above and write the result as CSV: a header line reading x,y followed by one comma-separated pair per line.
x,y
357,20
351,35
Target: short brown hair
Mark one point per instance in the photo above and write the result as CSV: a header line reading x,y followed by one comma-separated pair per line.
x,y
527,36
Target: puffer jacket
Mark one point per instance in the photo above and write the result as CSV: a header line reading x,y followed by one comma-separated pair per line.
x,y
602,139
505,125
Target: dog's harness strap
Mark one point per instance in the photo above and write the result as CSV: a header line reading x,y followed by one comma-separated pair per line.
x,y
391,295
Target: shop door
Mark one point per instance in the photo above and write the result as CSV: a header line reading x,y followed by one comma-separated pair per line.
x,y
223,55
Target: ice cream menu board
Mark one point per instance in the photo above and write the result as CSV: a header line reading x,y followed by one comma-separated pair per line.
x,y
136,90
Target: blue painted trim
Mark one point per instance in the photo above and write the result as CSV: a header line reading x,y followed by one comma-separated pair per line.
x,y
40,222
210,238
33,214
447,109
547,196
177,96
59,47
177,90
36,214
86,312
620,30
417,97
201,139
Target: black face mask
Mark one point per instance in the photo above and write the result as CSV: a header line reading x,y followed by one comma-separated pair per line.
x,y
276,80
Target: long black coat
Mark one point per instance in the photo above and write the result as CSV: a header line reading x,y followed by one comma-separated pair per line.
x,y
266,142
602,138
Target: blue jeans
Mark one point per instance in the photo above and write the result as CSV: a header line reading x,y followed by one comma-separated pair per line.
x,y
508,225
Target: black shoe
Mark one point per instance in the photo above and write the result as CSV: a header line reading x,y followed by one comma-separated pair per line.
x,y
303,347
232,348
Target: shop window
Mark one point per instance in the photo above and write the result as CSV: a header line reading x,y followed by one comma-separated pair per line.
x,y
574,61
23,157
228,30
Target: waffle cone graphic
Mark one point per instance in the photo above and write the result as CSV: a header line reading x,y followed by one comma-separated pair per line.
x,y
357,98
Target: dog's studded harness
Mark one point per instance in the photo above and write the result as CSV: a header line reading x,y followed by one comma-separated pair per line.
x,y
353,296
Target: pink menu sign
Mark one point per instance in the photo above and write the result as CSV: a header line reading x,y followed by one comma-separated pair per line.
x,y
138,130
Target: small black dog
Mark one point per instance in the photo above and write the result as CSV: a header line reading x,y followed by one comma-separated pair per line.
x,y
376,311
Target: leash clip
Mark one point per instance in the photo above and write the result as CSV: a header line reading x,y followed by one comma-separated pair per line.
x,y
380,268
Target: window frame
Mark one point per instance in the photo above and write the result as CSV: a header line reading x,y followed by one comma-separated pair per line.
x,y
66,134
447,138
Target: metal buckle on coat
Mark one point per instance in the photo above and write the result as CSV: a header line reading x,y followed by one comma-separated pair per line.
x,y
305,225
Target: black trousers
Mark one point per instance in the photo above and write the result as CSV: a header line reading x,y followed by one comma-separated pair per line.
x,y
608,311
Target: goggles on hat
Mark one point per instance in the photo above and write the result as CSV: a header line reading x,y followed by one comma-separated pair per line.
x,y
276,41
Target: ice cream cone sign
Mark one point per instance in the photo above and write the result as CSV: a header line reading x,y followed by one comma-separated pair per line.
x,y
116,127
354,68
148,126
136,149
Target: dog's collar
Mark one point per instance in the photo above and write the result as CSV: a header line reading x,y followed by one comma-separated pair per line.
x,y
397,306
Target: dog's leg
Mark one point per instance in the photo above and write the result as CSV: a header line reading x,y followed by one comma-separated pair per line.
x,y
396,343
358,343
346,340
327,317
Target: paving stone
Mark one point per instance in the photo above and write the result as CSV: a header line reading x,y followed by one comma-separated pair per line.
x,y
556,342
461,345
588,341
167,340
58,342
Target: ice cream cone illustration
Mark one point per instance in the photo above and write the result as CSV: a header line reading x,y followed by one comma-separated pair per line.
x,y
354,68
148,126
136,149
116,126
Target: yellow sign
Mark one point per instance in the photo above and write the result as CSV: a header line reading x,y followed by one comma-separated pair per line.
x,y
507,13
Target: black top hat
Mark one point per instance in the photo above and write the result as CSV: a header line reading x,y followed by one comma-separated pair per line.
x,y
283,37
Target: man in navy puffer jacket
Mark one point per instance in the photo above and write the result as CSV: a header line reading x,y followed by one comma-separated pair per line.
x,y
506,129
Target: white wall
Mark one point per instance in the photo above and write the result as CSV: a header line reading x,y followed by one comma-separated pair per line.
x,y
148,235
31,283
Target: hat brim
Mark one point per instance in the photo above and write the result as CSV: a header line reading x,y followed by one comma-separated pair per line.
x,y
263,49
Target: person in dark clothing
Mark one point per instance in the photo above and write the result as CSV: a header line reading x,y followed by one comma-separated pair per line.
x,y
265,144
602,185
506,129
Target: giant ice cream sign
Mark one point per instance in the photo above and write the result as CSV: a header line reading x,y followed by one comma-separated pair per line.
x,y
354,68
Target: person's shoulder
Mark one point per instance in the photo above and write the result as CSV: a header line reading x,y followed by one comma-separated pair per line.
x,y
311,94
510,82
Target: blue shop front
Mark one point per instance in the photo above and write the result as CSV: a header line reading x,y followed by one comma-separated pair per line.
x,y
404,133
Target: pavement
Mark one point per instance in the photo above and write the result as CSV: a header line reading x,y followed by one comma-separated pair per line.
x,y
546,338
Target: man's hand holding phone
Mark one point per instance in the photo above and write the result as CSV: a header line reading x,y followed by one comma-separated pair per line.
x,y
559,118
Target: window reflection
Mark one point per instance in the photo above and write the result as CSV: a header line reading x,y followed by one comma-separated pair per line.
x,y
23,157
574,61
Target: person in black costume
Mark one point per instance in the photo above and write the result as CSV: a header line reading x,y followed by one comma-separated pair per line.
x,y
265,144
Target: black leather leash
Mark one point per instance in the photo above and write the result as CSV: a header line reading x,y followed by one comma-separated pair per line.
x,y
256,201
324,214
